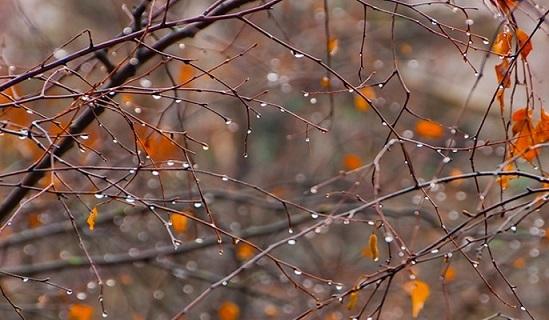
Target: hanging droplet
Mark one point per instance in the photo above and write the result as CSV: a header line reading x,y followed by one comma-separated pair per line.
x,y
170,163
205,147
197,204
156,97
25,279
155,173
69,292
291,242
225,178
99,196
130,199
314,215
297,272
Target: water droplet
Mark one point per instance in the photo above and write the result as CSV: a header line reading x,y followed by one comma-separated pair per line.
x,y
178,101
249,131
522,308
291,242
446,159
298,55
263,104
205,147
380,85
25,279
298,272
69,292
228,121
339,287
469,22
197,204
307,140
170,163
127,30
130,199
99,196
224,283
156,97
313,190
485,41
84,137
389,238
225,178
306,94
155,173
104,314
514,228
314,215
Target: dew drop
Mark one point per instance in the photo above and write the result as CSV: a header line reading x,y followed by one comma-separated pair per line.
x,y
156,97
99,196
197,204
205,147
263,104
130,199
155,173
104,314
69,292
25,279
291,242
298,272
225,178
314,215
170,163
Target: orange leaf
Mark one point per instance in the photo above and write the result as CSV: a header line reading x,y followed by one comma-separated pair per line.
x,y
519,263
362,104
80,311
520,117
33,220
542,128
502,44
523,142
333,46
524,43
325,82
429,129
179,222
504,180
228,311
419,292
503,74
449,274
186,73
372,244
244,251
271,311
351,161
92,216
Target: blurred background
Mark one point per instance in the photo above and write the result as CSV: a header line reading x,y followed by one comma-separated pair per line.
x,y
265,144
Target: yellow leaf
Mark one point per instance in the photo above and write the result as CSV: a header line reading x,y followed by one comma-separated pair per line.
x,y
362,104
179,222
353,298
80,311
92,216
419,292
429,129
244,251
228,311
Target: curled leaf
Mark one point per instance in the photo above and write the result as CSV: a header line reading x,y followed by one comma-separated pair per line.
x,y
503,74
419,292
502,44
92,216
524,42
